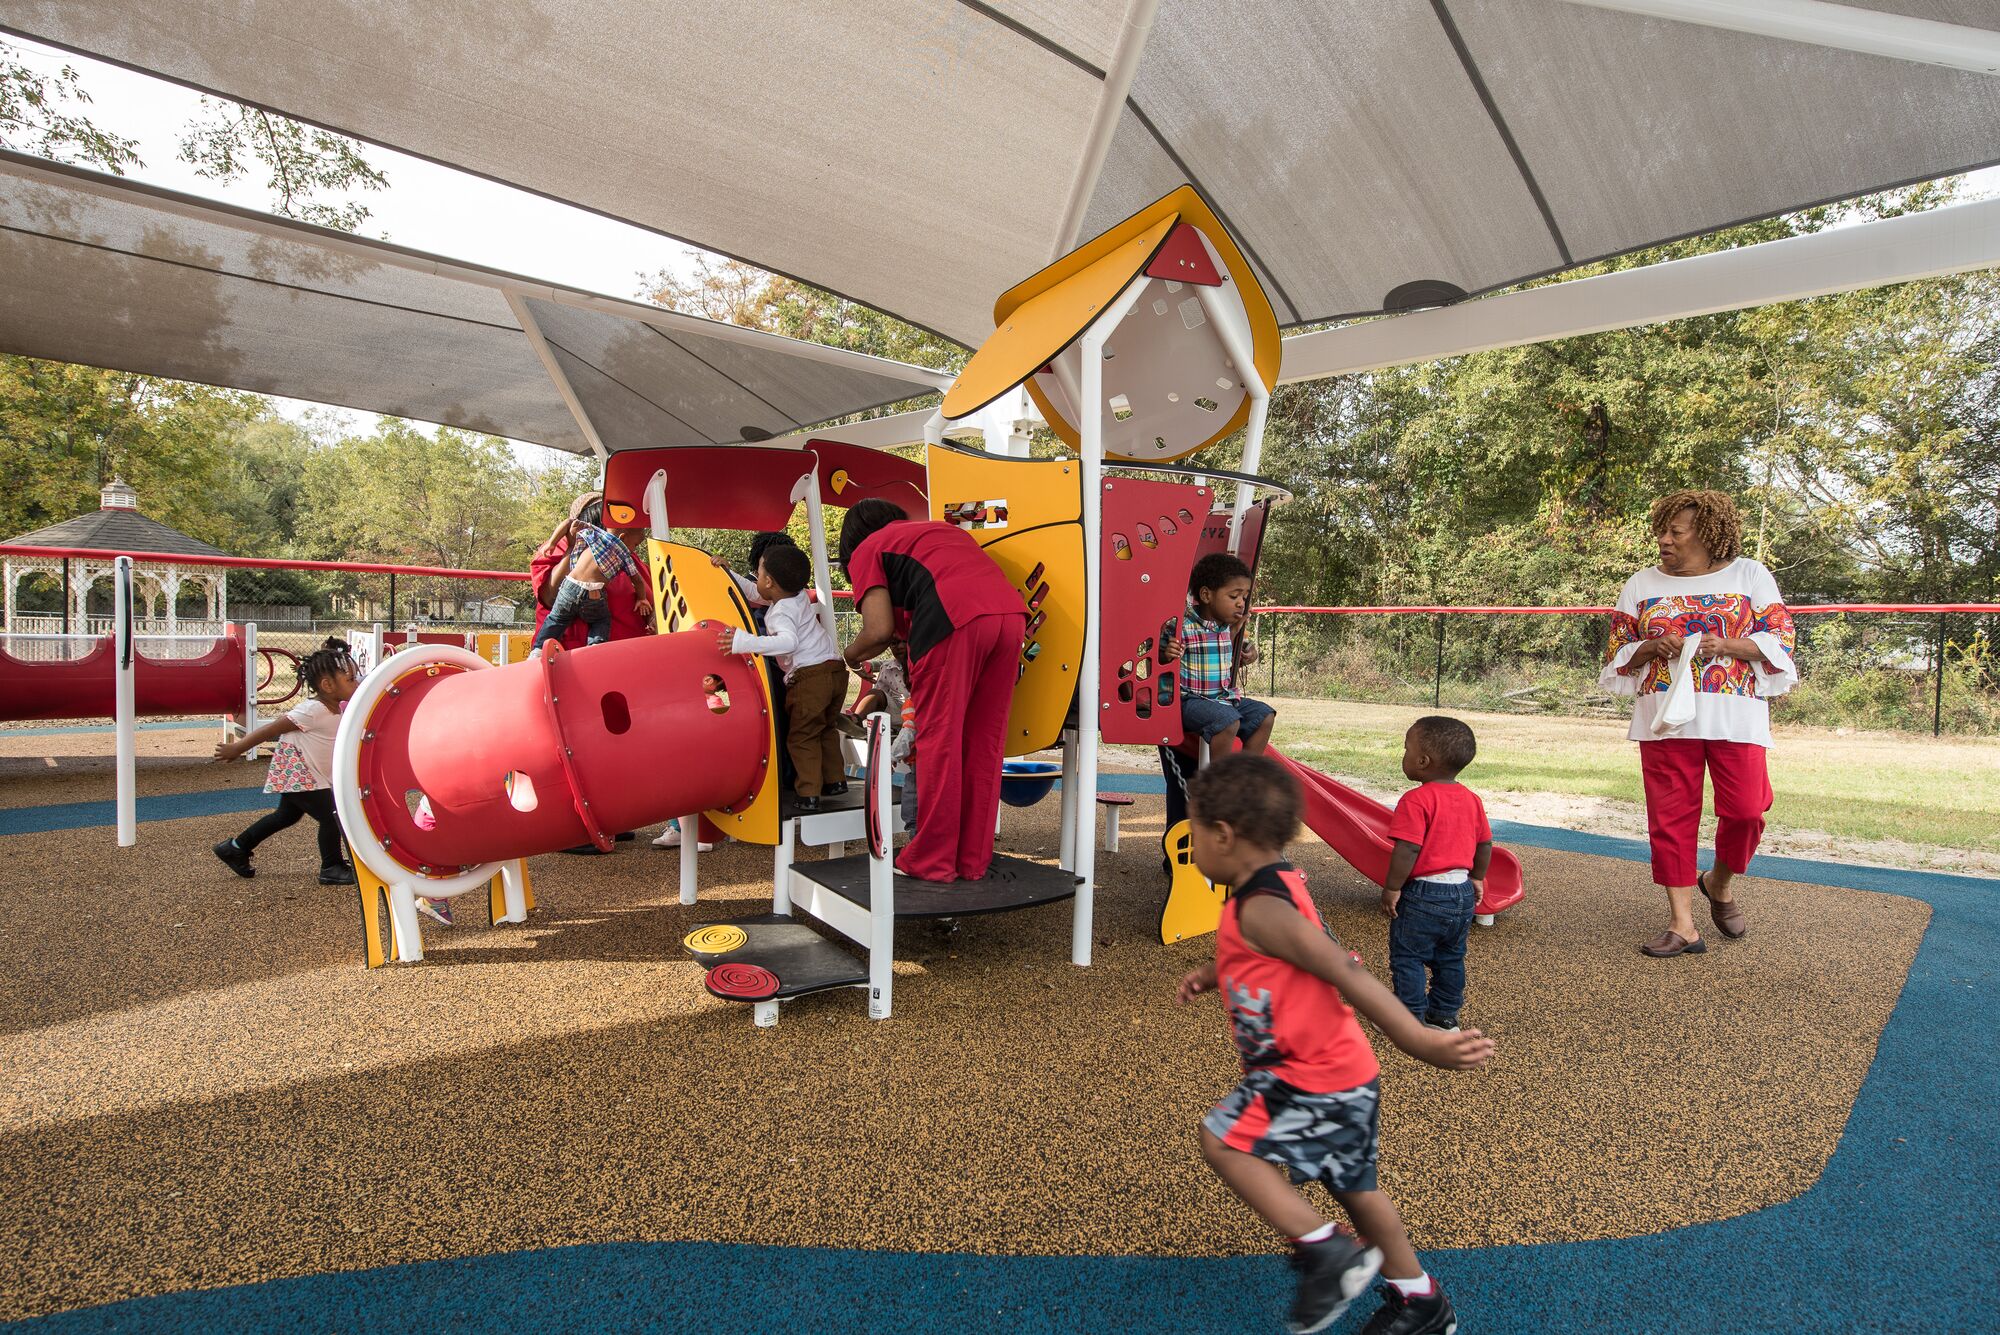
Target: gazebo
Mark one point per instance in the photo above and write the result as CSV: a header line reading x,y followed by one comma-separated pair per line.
x,y
116,526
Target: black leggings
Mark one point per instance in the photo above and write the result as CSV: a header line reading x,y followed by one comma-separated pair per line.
x,y
294,807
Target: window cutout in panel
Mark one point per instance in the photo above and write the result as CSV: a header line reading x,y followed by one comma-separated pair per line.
x,y
617,714
520,790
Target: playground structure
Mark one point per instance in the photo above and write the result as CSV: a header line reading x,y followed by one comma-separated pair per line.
x,y
115,680
1161,333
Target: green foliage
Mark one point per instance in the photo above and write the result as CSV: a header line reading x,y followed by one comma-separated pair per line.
x,y
67,430
43,115
404,495
231,140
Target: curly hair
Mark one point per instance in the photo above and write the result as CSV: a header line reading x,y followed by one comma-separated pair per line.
x,y
1251,794
333,656
1716,522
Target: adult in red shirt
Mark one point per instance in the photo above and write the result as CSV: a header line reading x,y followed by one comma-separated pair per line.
x,y
930,584
551,562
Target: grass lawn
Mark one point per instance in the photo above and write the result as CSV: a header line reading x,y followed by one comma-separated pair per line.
x,y
1870,786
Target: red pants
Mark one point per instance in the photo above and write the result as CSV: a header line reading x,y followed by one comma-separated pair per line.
x,y
1672,771
961,691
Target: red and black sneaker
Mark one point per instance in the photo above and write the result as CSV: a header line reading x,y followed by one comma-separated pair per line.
x,y
1430,1314
1333,1272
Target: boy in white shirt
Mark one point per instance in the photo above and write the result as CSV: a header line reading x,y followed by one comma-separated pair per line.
x,y
815,672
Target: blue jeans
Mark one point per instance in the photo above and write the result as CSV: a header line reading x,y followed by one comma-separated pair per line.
x,y
1427,936
1207,716
574,603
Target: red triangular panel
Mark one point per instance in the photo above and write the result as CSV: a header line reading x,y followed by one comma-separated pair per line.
x,y
1184,259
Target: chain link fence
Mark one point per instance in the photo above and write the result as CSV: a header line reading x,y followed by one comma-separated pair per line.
x,y
1910,669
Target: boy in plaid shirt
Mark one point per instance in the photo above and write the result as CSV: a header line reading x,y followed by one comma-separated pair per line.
x,y
596,557
1218,602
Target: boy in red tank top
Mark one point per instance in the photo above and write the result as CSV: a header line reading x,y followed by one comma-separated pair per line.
x,y
1307,1107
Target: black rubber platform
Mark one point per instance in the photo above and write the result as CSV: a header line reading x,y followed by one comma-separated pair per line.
x,y
1010,883
804,960
851,800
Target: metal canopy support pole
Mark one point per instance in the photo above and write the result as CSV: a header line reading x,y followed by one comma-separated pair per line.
x,y
124,704
1937,696
1819,23
1956,239
1104,120
526,319
1090,419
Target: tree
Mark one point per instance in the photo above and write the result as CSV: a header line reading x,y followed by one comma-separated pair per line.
x,y
304,163
43,115
742,294
66,430
404,495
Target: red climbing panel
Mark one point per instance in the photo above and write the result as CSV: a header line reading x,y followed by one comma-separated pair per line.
x,y
1215,533
849,473
743,487
1152,532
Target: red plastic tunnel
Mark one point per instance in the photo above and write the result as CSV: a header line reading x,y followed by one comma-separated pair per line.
x,y
463,766
84,688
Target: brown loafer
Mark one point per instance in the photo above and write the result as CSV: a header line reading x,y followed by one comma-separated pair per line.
x,y
1668,944
1726,914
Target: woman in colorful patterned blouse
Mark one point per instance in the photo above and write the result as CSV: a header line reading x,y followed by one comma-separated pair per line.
x,y
1704,586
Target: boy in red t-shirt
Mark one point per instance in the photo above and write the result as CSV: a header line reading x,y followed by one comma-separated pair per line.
x,y
1307,1107
1437,871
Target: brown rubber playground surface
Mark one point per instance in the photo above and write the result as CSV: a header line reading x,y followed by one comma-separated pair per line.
x,y
199,1084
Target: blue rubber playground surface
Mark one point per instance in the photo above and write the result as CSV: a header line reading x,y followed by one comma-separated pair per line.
x,y
1898,1234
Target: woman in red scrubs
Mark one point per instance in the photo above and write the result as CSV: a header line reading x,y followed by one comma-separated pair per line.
x,y
929,584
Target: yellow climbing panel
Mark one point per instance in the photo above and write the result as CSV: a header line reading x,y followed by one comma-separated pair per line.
x,y
1028,515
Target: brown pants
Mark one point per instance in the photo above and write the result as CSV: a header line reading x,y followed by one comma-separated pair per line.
x,y
813,698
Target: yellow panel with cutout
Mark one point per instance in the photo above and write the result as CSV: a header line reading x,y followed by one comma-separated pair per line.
x,y
1028,515
488,645
1194,903
691,589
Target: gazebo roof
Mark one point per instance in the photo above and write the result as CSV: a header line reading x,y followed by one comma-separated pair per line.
x,y
116,527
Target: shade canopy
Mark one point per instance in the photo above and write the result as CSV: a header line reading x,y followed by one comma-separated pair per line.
x,y
924,155
109,273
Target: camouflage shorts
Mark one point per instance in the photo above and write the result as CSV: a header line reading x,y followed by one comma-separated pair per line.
x,y
1325,1138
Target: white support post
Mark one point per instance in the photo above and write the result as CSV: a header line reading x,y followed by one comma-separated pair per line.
x,y
124,704
1066,841
250,720
514,890
409,930
1090,421
690,854
1871,32
934,428
1232,330
816,535
1111,829
655,504
881,882
781,869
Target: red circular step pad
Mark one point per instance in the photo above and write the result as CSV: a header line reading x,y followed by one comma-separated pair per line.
x,y
742,982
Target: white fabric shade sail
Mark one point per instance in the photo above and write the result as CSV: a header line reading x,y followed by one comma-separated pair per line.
x,y
921,155
109,273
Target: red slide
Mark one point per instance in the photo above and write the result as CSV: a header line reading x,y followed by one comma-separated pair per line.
x,y
1357,828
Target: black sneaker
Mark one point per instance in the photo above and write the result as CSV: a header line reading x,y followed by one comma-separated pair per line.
x,y
1333,1272
835,789
805,806
1448,1023
341,875
235,858
1428,1315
